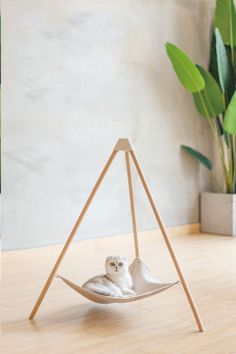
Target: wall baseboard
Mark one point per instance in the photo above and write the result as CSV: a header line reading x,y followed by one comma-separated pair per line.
x,y
179,230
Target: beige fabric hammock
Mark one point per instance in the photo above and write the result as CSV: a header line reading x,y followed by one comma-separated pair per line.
x,y
145,285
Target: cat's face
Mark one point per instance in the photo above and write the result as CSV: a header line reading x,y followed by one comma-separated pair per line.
x,y
116,264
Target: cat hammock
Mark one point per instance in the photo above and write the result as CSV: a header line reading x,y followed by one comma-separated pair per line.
x,y
145,284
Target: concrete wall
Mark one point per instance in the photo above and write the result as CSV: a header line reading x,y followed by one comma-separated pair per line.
x,y
77,76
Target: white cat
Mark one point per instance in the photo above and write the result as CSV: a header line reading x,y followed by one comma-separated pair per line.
x,y
117,281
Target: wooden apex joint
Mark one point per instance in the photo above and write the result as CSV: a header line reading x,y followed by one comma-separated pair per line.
x,y
123,144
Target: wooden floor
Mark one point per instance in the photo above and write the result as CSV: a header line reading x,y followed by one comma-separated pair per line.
x,y
67,323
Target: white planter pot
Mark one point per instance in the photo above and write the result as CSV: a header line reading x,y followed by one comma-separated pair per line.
x,y
218,213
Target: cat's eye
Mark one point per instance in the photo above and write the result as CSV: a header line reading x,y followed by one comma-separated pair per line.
x,y
120,264
112,264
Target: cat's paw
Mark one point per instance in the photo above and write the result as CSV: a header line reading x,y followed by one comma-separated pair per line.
x,y
116,294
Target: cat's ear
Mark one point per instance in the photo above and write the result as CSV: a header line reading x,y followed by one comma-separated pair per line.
x,y
108,258
120,257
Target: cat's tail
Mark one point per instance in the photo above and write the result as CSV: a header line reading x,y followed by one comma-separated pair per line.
x,y
104,293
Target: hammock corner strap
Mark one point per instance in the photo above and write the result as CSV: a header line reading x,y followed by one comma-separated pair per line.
x,y
145,284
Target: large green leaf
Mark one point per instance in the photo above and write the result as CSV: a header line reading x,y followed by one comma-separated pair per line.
x,y
230,116
209,101
198,156
222,61
232,73
186,71
213,69
225,20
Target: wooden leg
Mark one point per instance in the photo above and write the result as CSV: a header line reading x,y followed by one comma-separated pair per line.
x,y
131,195
169,246
70,238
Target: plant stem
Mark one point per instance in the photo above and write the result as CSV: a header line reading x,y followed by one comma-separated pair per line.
x,y
234,165
218,142
220,150
216,182
230,153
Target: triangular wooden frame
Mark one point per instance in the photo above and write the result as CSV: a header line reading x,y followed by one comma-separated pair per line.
x,y
126,146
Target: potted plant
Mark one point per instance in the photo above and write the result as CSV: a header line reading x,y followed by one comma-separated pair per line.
x,y
214,95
